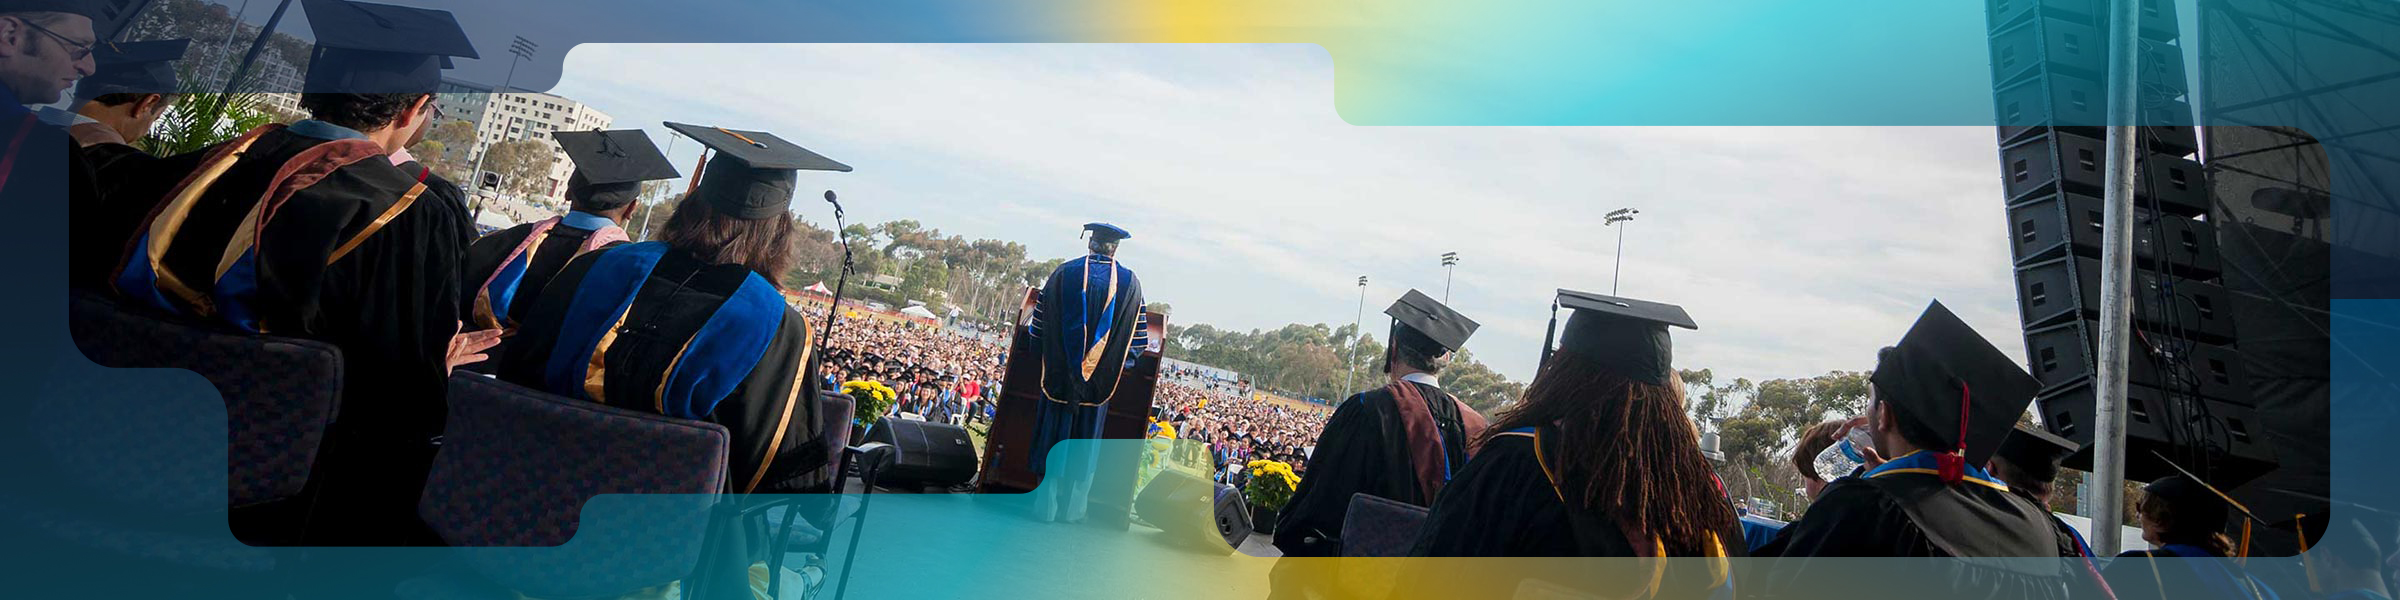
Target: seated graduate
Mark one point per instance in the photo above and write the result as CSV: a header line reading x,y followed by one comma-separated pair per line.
x,y
507,270
2028,463
310,230
1401,442
2349,562
1598,461
1939,404
113,109
2183,519
693,325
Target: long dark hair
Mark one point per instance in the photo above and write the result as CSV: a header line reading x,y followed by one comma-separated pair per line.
x,y
1630,447
764,245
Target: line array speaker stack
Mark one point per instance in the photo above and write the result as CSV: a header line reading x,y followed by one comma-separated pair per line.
x,y
2189,399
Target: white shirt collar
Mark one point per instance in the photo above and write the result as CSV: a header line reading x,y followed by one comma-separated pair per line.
x,y
1424,378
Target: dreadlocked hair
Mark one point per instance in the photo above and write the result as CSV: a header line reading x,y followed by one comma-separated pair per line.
x,y
1631,449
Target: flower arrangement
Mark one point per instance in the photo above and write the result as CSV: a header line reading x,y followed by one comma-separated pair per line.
x,y
1272,484
1161,429
870,399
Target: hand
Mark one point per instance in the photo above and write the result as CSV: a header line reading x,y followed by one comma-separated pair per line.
x,y
94,134
467,348
1873,459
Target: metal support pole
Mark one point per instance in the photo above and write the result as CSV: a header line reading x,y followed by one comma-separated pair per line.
x,y
2116,279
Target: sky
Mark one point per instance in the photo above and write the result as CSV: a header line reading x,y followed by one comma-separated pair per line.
x,y
1798,251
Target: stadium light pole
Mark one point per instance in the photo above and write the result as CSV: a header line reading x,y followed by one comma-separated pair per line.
x,y
523,50
1449,264
1350,370
1614,217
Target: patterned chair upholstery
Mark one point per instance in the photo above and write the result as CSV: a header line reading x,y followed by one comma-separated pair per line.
x,y
280,394
519,467
1380,527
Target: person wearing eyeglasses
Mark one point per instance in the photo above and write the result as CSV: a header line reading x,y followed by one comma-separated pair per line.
x,y
45,46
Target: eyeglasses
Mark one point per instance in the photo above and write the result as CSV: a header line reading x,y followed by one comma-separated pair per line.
x,y
75,50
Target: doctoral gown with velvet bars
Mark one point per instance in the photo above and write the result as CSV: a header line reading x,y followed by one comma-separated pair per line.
x,y
649,328
1091,324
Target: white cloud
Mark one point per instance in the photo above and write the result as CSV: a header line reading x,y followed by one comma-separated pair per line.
x,y
1799,250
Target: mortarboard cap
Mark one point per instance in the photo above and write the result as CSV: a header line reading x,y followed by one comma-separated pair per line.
x,y
1436,322
2035,452
134,68
610,165
1941,369
1624,335
752,174
87,8
365,48
1104,232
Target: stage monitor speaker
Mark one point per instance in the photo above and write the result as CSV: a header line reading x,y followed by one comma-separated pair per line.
x,y
930,454
2178,426
2064,353
2058,224
2066,161
2068,289
1195,511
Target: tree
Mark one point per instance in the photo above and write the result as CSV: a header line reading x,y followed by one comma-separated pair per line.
x,y
446,149
523,165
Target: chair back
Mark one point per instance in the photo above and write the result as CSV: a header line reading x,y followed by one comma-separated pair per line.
x,y
519,467
281,395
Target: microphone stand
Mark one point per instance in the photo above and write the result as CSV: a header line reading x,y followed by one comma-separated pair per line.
x,y
841,280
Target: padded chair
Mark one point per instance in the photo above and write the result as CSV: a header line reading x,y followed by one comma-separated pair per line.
x,y
517,467
281,394
1376,527
146,471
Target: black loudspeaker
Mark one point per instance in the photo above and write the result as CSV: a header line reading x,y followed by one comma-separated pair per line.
x,y
2064,47
2075,163
2064,353
2157,423
2158,16
1195,511
2068,289
930,454
2060,224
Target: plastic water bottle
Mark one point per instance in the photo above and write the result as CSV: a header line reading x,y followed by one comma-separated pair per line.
x,y
1844,456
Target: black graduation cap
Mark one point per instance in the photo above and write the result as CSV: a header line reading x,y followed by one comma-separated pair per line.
x,y
134,68
610,165
365,48
2035,452
87,8
1941,369
752,174
1104,232
1624,335
1421,313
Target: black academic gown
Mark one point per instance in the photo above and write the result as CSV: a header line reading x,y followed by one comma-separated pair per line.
x,y
1505,504
491,252
352,259
648,328
2182,572
2000,545
1363,450
126,183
